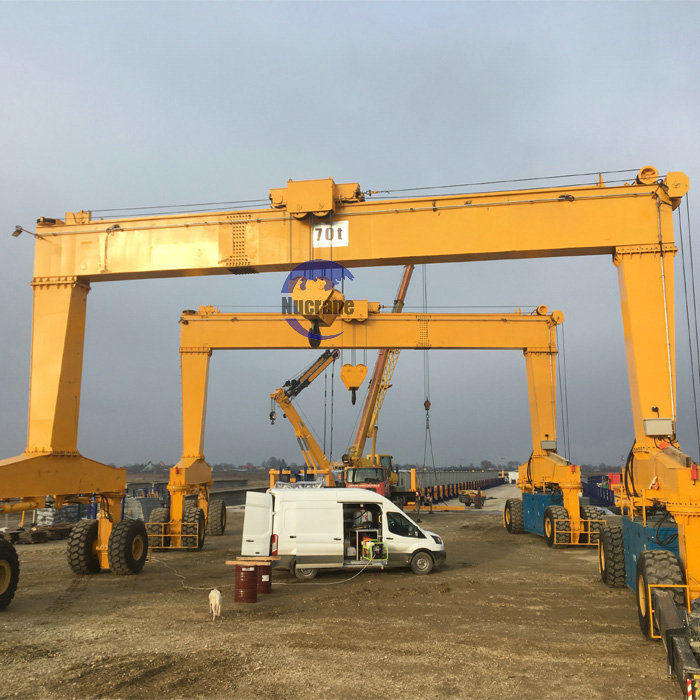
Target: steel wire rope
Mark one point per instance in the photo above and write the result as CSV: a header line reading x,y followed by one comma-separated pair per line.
x,y
428,440
692,279
561,397
566,394
691,352
501,182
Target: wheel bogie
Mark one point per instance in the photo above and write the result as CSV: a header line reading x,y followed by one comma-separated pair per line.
x,y
9,573
611,556
656,567
513,516
193,528
157,528
216,517
127,549
82,548
557,527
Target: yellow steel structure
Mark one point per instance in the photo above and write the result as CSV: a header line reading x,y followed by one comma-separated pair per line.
x,y
632,223
366,327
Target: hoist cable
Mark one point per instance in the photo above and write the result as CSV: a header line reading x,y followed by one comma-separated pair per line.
x,y
325,406
330,457
566,394
691,352
501,182
564,434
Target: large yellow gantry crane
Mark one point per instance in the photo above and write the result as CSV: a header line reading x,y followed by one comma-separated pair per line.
x,y
632,223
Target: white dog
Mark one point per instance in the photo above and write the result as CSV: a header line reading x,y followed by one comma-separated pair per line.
x,y
215,603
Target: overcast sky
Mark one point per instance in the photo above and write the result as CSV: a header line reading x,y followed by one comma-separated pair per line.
x,y
134,104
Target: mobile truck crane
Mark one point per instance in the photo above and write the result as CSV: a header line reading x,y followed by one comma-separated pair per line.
x,y
314,457
631,222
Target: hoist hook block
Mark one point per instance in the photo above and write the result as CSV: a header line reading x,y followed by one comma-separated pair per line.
x,y
353,376
426,405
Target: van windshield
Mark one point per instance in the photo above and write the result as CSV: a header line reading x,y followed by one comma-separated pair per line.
x,y
364,475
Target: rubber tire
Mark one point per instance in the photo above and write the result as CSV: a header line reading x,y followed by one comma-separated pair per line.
x,y
304,574
82,557
158,515
611,556
127,550
216,520
592,513
551,514
9,573
656,566
513,516
422,563
192,516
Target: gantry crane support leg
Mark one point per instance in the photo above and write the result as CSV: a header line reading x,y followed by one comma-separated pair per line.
x,y
191,475
51,464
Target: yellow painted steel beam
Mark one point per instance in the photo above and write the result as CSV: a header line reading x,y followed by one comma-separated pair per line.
x,y
555,221
508,331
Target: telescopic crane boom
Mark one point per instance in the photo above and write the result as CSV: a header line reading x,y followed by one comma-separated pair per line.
x,y
314,457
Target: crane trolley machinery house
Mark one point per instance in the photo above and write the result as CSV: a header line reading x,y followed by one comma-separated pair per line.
x,y
632,222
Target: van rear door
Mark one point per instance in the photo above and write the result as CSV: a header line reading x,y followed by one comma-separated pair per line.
x,y
257,524
319,534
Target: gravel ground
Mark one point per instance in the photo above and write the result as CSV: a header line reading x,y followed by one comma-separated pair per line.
x,y
506,617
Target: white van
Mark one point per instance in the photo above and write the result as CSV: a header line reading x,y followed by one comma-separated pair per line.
x,y
312,529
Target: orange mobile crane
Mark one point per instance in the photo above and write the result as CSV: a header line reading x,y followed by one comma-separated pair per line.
x,y
631,222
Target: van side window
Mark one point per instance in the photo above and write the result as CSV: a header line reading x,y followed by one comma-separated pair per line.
x,y
400,525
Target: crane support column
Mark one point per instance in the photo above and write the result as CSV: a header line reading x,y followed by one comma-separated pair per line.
x,y
646,293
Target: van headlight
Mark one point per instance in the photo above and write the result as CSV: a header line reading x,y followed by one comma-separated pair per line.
x,y
438,540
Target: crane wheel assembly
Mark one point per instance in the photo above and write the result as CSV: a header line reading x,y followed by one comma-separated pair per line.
x,y
128,547
513,516
557,530
82,548
611,556
193,529
156,528
216,523
593,521
656,567
9,573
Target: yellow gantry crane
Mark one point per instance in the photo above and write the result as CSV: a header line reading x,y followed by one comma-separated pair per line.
x,y
631,222
365,327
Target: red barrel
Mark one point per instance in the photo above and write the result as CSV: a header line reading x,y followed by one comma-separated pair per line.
x,y
246,590
264,578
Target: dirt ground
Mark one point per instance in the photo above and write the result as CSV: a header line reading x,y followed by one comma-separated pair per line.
x,y
506,617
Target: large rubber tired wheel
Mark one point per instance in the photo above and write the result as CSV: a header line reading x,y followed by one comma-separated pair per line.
x,y
611,556
9,573
656,566
82,547
156,531
513,516
216,522
128,547
592,529
193,525
422,563
563,527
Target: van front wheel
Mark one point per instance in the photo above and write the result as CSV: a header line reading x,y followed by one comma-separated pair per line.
x,y
422,563
305,574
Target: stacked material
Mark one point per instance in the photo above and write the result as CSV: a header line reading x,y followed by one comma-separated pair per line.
x,y
70,513
140,508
